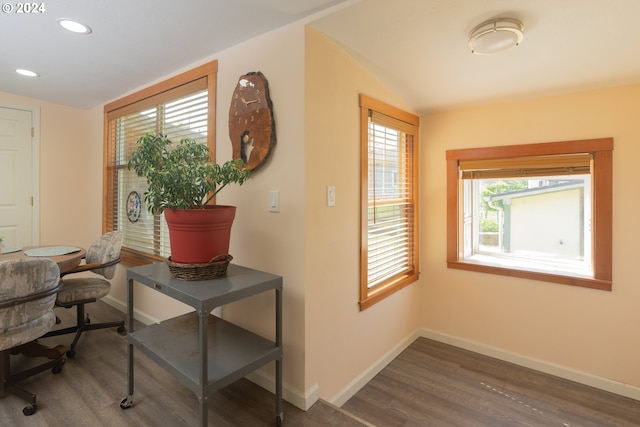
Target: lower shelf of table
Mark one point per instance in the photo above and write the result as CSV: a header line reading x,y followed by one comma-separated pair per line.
x,y
233,352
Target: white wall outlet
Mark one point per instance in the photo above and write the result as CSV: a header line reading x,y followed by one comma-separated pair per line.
x,y
274,201
331,195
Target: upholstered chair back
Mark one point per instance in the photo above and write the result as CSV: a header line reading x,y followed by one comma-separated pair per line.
x,y
23,319
104,250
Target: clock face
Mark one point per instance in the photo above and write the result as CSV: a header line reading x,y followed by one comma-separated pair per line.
x,y
251,124
134,204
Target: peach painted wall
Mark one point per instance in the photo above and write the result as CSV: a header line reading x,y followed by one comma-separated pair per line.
x,y
264,240
343,343
330,346
70,155
583,330
272,242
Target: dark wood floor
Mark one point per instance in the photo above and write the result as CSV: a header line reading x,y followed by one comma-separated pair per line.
x,y
428,384
91,385
434,384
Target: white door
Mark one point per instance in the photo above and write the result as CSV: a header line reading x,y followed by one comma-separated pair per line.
x,y
16,177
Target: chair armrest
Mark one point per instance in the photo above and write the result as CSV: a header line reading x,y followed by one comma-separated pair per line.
x,y
22,300
83,267
91,266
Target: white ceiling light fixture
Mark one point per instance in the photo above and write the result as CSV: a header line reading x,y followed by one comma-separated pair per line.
x,y
27,73
74,26
495,35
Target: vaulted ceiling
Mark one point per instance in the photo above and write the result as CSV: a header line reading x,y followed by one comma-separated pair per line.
x,y
416,47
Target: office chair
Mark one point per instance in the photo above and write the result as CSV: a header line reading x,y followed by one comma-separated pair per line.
x,y
28,290
101,258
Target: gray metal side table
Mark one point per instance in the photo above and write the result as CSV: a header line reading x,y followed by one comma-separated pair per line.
x,y
201,350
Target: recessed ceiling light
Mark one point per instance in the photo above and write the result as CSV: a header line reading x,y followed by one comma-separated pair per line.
x,y
74,26
27,73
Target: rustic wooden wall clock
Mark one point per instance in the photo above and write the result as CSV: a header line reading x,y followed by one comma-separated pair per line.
x,y
252,128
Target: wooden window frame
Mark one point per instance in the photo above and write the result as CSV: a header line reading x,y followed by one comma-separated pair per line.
x,y
602,219
207,71
369,297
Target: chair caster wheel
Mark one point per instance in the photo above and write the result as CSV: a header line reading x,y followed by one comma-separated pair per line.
x,y
122,330
57,369
29,410
71,353
126,403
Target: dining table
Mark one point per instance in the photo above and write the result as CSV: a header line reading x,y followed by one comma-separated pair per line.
x,y
67,258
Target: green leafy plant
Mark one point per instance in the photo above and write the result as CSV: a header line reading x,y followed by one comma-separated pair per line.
x,y
488,226
181,175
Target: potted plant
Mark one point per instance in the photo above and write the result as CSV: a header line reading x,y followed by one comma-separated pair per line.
x,y
182,181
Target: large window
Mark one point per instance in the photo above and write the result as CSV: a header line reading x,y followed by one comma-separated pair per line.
x,y
181,107
389,212
540,211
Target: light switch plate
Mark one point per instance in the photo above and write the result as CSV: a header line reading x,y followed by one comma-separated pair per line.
x,y
331,195
274,201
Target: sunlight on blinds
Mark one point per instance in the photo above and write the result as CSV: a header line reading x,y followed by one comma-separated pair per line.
x,y
183,117
390,207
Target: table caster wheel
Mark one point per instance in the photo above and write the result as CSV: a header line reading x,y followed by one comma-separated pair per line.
x,y
29,409
279,419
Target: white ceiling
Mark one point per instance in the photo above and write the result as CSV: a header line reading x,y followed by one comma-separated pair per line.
x,y
416,47
133,42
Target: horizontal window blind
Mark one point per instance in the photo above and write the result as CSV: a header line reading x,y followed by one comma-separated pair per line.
x,y
556,165
390,228
179,113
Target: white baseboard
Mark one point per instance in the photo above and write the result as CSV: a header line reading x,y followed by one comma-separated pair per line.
x,y
295,397
585,378
138,315
354,386
304,400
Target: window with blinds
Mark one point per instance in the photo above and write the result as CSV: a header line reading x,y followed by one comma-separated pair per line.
x,y
179,108
539,211
389,191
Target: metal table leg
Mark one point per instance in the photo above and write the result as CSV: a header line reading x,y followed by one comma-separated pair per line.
x,y
127,402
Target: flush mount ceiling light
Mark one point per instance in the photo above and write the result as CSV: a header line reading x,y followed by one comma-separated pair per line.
x,y
27,73
495,35
74,26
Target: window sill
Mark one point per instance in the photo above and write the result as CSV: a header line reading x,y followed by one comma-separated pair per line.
x,y
382,291
131,258
584,282
540,265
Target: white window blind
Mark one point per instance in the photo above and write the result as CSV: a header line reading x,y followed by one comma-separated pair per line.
x,y
520,167
179,113
390,228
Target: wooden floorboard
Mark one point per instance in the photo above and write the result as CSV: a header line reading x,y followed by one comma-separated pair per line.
x,y
429,384
435,384
91,385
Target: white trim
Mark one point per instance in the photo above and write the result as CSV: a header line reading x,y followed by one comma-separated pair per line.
x,y
297,398
622,389
137,314
35,165
367,375
35,225
304,400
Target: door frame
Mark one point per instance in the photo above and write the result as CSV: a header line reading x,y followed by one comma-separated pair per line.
x,y
35,164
